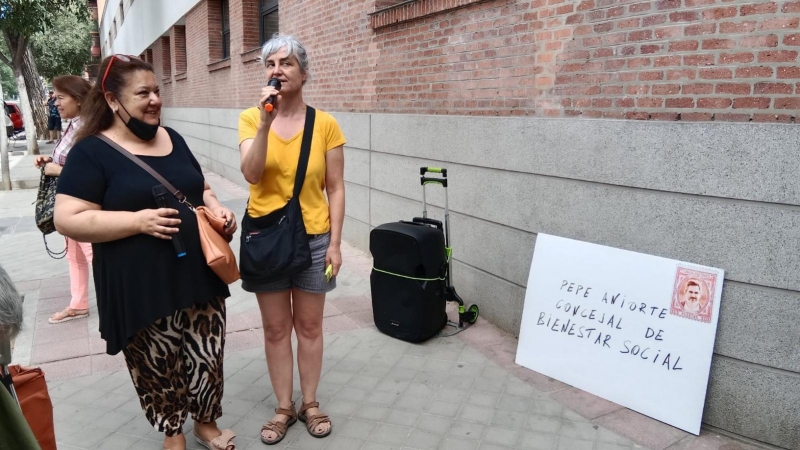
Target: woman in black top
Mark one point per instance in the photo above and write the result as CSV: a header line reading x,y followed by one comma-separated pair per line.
x,y
165,312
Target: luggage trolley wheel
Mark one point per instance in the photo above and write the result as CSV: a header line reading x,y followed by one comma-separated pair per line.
x,y
471,315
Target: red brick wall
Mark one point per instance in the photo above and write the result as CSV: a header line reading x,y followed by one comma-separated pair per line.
x,y
631,59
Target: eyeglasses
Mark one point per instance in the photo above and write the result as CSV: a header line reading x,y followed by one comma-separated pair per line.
x,y
123,58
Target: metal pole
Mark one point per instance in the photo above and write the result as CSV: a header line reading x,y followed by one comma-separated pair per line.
x,y
424,202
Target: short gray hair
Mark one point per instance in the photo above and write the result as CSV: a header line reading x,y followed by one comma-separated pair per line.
x,y
10,307
292,46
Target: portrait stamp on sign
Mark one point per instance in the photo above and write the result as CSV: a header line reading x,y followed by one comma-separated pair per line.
x,y
693,294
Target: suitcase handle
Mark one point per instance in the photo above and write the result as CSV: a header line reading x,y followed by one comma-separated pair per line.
x,y
424,170
426,221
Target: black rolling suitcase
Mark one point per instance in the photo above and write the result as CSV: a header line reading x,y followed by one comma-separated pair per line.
x,y
410,279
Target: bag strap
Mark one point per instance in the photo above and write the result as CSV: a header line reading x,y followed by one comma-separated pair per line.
x,y
178,194
305,151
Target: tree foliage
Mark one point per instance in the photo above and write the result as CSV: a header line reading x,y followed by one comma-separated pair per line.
x,y
21,19
64,49
9,83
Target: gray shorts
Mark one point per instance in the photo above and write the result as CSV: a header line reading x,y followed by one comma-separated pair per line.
x,y
311,280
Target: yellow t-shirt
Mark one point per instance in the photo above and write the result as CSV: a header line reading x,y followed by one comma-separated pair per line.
x,y
275,188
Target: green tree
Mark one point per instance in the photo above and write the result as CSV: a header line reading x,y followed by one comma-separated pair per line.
x,y
19,21
7,78
64,49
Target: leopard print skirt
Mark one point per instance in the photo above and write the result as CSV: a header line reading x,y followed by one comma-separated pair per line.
x,y
176,367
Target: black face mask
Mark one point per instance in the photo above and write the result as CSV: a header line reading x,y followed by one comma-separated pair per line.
x,y
140,129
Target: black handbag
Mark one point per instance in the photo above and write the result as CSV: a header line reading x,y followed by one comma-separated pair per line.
x,y
276,245
45,206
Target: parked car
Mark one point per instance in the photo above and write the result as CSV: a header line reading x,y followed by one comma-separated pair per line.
x,y
16,115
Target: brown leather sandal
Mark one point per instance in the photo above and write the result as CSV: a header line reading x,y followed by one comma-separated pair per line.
x,y
312,422
279,428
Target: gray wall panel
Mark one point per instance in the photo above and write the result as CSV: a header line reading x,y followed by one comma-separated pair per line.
x,y
356,129
356,233
698,158
760,326
357,202
356,166
754,402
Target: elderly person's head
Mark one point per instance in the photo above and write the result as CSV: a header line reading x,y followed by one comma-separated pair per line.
x,y
285,58
10,308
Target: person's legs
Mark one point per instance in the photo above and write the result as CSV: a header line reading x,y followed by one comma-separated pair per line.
x,y
156,368
307,311
79,255
203,354
276,317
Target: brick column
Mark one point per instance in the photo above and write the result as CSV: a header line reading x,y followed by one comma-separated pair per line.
x,y
178,38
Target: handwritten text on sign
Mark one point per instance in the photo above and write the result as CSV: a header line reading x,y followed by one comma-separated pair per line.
x,y
635,329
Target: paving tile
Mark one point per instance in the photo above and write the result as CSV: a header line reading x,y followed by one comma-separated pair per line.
x,y
472,413
466,430
434,424
501,436
391,434
343,443
118,441
451,443
349,366
380,446
578,430
365,382
357,428
546,408
353,394
393,386
535,440
483,399
488,386
566,443
509,419
642,429
448,394
584,403
382,398
64,428
307,442
371,412
544,424
341,407
515,404
59,350
114,420
87,438
424,440
402,418
376,370
490,446
409,403
607,446
445,409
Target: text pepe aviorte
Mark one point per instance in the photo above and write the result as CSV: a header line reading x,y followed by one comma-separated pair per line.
x,y
584,321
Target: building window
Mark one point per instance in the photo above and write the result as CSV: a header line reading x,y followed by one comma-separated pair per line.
x,y
269,19
121,13
226,30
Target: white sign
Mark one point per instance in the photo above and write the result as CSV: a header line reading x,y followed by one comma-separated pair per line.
x,y
635,329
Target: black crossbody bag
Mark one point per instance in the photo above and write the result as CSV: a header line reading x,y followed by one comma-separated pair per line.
x,y
276,245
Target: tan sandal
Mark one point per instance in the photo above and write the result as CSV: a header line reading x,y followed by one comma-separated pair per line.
x,y
222,442
68,314
312,422
279,428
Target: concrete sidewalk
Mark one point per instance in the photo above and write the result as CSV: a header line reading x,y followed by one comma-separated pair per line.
x,y
458,392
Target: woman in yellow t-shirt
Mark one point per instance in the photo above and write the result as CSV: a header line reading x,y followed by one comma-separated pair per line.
x,y
270,148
